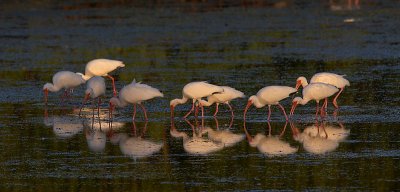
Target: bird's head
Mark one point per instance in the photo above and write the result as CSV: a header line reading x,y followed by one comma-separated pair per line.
x,y
88,93
295,102
301,80
46,91
172,105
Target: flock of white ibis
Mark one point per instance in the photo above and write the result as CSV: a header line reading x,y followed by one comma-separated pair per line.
x,y
321,86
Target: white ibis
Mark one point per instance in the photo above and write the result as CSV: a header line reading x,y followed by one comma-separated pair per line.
x,y
95,88
225,97
134,93
270,95
329,78
63,80
101,67
314,91
195,91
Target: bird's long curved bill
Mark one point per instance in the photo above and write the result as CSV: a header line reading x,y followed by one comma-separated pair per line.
x,y
294,105
46,93
245,109
84,102
110,112
298,83
172,111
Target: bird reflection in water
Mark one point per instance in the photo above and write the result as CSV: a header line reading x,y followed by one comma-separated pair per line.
x,y
270,145
64,126
96,134
196,145
224,136
136,146
320,138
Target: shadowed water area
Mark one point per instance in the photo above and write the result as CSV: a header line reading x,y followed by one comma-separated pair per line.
x,y
245,45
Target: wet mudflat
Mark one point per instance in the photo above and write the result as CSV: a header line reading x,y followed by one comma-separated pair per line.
x,y
246,46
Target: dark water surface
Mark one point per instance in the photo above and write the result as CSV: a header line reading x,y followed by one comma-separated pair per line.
x,y
246,45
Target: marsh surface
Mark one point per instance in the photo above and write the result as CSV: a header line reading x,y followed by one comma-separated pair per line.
x,y
246,46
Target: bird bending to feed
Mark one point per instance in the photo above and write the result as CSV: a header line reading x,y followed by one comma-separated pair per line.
x,y
63,80
224,97
95,88
101,67
329,78
134,93
314,91
195,91
270,95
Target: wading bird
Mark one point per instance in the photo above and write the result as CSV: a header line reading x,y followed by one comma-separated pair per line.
x,y
314,91
63,80
101,67
195,91
134,93
329,78
95,88
270,95
225,97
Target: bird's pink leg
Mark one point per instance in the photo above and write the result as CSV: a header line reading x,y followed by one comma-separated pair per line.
x,y
216,123
316,113
134,112
188,113
334,100
202,110
324,107
93,107
144,111
283,110
98,110
269,112
230,108
113,85
216,109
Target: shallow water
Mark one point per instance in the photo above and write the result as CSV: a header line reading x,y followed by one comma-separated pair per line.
x,y
243,45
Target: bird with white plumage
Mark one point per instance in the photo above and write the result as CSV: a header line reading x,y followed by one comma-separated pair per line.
x,y
101,67
134,93
95,88
195,91
66,80
314,91
225,97
270,95
329,78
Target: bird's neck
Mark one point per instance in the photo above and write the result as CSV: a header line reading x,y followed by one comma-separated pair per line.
x,y
206,103
117,101
303,101
86,77
304,83
183,100
51,87
257,103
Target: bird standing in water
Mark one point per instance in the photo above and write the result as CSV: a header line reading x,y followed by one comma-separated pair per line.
x,y
96,87
195,91
270,95
329,78
225,97
314,91
63,80
101,67
134,93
